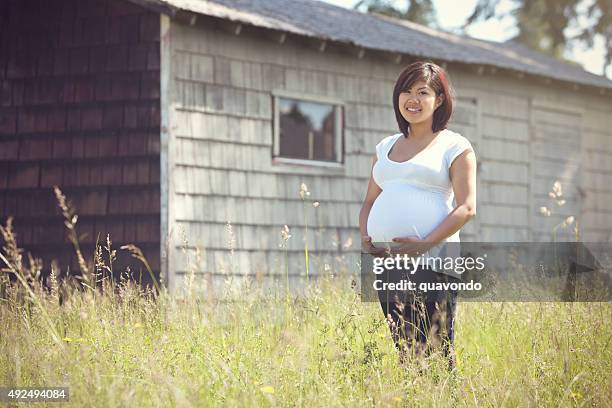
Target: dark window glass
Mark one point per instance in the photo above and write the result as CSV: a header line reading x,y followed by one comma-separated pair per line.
x,y
307,130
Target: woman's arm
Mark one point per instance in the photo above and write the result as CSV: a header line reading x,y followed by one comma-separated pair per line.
x,y
373,191
463,179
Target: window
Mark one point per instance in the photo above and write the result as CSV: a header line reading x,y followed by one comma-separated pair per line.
x,y
307,130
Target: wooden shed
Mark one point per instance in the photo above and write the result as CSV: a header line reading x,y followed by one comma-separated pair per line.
x,y
189,126
79,108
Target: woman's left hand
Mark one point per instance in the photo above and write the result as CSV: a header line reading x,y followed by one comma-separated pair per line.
x,y
411,246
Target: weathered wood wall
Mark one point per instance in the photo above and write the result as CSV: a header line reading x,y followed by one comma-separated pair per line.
x,y
79,108
220,142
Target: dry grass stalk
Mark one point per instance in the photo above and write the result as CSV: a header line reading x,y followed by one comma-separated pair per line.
x,y
137,254
70,221
26,277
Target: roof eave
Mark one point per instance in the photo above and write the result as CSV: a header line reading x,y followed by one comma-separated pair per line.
x,y
189,16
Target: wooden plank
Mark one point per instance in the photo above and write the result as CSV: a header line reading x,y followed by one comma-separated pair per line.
x,y
218,43
272,264
504,215
494,233
349,88
212,98
562,169
359,164
557,118
363,141
600,220
194,180
273,76
193,152
597,140
245,74
254,211
599,120
505,150
181,64
596,200
507,106
373,117
262,185
495,193
596,181
218,126
556,134
504,128
465,113
492,170
214,235
201,68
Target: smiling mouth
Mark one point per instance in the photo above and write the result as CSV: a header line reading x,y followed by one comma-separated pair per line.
x,y
413,110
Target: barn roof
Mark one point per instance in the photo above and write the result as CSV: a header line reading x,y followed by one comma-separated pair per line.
x,y
325,21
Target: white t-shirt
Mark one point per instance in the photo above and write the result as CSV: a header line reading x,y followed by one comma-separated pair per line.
x,y
417,194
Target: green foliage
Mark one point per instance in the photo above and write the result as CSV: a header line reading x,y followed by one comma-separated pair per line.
x,y
418,11
542,24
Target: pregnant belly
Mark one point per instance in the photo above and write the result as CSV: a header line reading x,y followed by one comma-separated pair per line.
x,y
403,210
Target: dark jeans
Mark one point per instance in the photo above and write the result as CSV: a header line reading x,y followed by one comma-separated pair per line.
x,y
420,321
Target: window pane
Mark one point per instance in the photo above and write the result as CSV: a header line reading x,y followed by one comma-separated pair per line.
x,y
307,130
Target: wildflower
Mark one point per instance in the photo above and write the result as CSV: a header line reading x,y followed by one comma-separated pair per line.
x,y
576,395
348,243
315,204
304,191
545,211
231,238
560,202
71,339
285,233
557,188
568,221
267,389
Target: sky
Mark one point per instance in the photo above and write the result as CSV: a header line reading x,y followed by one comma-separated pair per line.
x,y
453,13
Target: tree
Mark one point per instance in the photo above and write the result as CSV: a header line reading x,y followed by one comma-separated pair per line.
x,y
542,24
418,11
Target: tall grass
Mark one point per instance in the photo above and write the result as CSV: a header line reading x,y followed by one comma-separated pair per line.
x,y
117,344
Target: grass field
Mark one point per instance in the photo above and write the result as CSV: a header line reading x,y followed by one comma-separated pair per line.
x,y
118,345
125,348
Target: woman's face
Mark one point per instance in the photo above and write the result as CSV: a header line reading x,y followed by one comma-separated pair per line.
x,y
419,102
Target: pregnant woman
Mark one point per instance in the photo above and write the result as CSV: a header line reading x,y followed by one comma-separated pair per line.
x,y
409,208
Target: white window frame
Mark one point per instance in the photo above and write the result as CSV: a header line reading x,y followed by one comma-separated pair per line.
x,y
339,129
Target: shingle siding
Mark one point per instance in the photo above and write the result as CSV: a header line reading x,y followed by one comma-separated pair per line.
x,y
79,85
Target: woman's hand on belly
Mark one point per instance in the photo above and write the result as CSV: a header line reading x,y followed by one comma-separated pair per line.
x,y
368,247
411,246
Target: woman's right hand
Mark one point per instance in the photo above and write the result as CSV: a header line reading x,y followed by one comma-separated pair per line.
x,y
369,248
